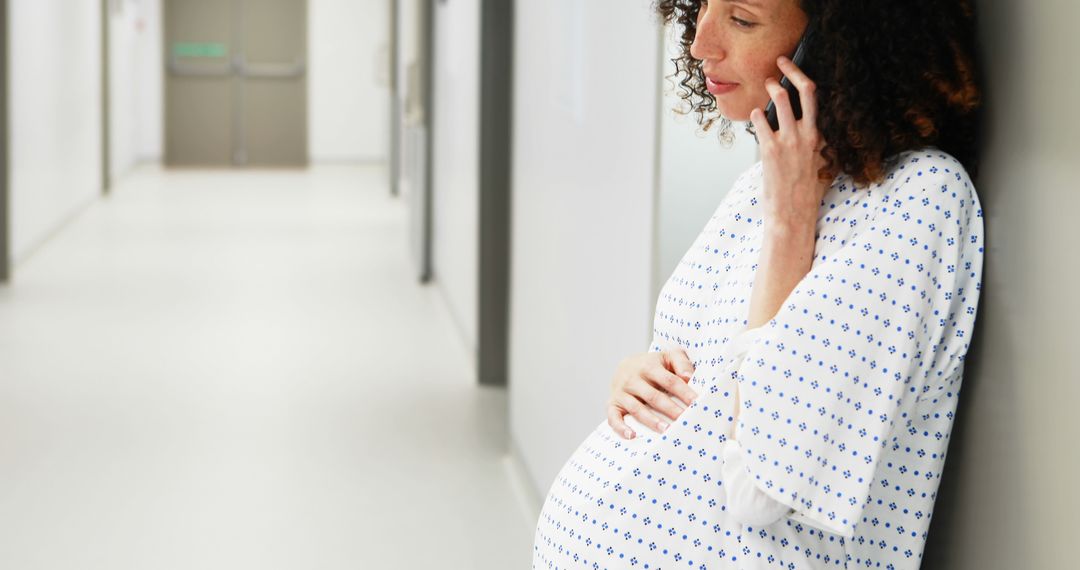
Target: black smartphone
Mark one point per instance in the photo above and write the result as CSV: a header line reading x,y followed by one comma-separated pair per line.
x,y
793,92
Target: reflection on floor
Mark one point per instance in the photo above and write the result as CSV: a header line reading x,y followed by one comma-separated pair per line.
x,y
238,370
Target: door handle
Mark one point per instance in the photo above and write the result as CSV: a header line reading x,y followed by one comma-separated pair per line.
x,y
414,100
241,67
187,70
270,70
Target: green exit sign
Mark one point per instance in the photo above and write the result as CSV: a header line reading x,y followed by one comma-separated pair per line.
x,y
196,49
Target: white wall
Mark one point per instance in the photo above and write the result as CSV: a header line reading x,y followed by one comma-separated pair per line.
x,y
348,82
455,160
585,115
55,112
124,86
149,104
135,80
696,172
411,167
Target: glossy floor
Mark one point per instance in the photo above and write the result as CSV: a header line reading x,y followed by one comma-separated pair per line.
x,y
238,370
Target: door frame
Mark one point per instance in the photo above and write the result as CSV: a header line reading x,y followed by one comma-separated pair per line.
x,y
106,91
496,99
395,108
427,35
5,203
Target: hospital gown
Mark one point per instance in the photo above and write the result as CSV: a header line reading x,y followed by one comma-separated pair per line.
x,y
846,396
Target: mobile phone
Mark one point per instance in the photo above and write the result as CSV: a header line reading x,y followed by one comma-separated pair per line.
x,y
793,92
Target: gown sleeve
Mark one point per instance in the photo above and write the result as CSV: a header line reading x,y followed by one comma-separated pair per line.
x,y
824,382
745,503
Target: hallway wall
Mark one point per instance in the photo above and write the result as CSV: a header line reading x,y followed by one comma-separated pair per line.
x,y
349,99
134,99
1008,495
150,70
455,161
54,97
582,218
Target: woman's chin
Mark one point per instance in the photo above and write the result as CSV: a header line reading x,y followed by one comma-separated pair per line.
x,y
735,115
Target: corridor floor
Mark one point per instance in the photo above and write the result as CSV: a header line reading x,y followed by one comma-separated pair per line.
x,y
238,370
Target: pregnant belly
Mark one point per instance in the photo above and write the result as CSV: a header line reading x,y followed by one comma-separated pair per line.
x,y
648,486
688,453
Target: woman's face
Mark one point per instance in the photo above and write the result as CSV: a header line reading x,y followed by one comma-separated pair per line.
x,y
738,42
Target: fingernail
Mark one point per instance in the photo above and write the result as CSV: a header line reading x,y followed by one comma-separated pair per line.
x,y
663,426
629,434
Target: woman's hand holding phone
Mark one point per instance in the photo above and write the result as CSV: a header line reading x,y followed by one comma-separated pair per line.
x,y
791,156
643,387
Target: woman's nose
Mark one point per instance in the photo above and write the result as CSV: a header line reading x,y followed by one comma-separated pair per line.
x,y
708,43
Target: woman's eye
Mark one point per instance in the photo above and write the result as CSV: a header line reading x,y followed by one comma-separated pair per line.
x,y
742,23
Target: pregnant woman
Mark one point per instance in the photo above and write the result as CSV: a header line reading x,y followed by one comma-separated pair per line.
x,y
795,406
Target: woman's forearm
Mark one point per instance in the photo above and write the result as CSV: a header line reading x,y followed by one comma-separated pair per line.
x,y
787,253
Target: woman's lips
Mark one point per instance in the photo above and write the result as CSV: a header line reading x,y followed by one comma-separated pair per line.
x,y
719,87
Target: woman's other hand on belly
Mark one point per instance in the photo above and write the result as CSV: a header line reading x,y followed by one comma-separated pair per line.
x,y
647,387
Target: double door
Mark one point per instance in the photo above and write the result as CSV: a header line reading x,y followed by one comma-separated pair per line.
x,y
236,82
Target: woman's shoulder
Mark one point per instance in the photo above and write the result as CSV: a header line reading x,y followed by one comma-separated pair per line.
x,y
928,192
929,164
929,173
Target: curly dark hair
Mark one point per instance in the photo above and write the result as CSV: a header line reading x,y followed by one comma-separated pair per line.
x,y
899,75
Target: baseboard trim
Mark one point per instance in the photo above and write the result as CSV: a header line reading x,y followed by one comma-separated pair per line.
x,y
525,489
